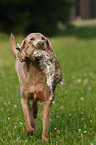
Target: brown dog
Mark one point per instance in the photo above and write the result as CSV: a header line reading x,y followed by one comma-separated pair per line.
x,y
33,83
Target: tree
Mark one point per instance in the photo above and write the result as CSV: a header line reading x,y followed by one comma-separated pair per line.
x,y
25,16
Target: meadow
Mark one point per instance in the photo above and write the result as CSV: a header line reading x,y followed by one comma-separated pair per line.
x,y
73,113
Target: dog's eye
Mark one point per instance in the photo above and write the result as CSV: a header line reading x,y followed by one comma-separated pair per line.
x,y
42,38
33,38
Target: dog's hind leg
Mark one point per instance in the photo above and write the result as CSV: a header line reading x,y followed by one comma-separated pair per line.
x,y
29,129
35,109
33,114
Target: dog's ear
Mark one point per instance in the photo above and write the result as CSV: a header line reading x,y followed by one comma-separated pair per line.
x,y
13,46
49,45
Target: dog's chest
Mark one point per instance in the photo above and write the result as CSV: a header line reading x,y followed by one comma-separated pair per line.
x,y
33,74
32,81
30,74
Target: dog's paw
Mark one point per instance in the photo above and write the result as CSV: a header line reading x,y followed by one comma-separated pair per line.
x,y
30,131
45,139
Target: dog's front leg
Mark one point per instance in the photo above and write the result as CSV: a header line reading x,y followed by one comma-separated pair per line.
x,y
45,119
24,103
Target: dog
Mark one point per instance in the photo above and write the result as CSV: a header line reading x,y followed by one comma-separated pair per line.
x,y
32,82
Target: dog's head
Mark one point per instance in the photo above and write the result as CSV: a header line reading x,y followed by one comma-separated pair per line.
x,y
37,40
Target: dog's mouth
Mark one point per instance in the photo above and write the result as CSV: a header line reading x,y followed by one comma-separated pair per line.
x,y
39,46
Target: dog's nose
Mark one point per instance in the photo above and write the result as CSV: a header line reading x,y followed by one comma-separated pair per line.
x,y
40,43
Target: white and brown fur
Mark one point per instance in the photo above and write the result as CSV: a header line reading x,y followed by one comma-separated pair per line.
x,y
33,84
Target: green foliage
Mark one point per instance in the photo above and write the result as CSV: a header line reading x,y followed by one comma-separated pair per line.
x,y
73,113
25,16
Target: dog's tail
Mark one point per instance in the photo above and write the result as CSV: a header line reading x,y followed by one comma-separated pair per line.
x,y
13,46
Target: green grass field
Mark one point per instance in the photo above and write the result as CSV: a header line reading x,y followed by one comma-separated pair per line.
x,y
73,113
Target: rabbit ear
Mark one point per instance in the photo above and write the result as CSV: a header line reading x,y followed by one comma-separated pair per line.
x,y
23,44
49,46
19,47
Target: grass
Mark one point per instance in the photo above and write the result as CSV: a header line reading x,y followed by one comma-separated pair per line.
x,y
73,113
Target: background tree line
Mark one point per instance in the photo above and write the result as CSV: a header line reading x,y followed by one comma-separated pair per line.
x,y
25,16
